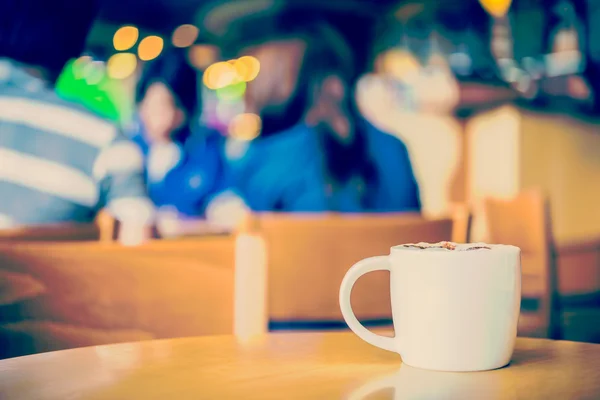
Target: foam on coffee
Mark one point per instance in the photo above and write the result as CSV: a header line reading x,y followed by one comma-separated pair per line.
x,y
446,246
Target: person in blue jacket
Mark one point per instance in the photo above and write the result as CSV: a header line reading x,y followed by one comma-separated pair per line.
x,y
185,164
315,152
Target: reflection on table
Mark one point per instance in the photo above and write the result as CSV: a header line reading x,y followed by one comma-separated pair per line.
x,y
292,366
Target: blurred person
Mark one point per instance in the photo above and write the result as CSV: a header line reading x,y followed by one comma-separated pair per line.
x,y
184,160
434,138
415,101
315,152
59,162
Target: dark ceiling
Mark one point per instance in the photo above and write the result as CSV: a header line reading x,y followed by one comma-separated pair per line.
x,y
165,15
159,15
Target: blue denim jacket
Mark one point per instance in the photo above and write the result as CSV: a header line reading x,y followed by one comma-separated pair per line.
x,y
285,173
196,175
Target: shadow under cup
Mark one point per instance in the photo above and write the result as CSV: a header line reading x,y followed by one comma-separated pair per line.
x,y
453,310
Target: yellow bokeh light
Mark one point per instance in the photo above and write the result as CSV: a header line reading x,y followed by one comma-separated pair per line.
x,y
240,69
125,38
185,35
247,68
201,56
496,8
220,75
150,47
245,127
121,65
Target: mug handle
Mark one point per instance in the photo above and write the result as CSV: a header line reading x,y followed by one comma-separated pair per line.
x,y
379,263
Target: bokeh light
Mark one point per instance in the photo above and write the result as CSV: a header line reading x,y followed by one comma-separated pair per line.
x,y
232,92
496,8
226,111
79,66
201,56
232,72
86,81
93,72
245,127
219,75
240,68
185,35
150,47
121,65
125,38
247,68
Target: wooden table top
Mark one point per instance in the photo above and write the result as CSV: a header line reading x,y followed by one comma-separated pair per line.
x,y
291,366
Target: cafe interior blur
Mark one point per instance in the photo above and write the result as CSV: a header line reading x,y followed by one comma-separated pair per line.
x,y
497,104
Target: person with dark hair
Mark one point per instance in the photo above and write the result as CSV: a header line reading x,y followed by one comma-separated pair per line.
x,y
59,161
315,152
184,160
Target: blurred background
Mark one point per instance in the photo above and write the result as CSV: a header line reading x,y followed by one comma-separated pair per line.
x,y
249,133
426,72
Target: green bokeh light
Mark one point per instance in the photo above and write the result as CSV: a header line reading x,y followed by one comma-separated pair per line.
x,y
232,92
86,82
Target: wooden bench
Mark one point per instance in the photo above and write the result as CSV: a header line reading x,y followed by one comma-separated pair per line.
x,y
52,233
62,295
69,294
102,229
308,255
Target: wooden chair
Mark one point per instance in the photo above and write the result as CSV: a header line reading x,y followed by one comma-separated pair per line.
x,y
308,255
62,295
107,226
578,271
462,219
60,233
525,222
102,229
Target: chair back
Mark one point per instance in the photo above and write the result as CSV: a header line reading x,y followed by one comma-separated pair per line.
x,y
308,255
62,295
51,233
102,229
524,221
462,220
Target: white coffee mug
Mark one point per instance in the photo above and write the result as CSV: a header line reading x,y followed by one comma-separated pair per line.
x,y
453,310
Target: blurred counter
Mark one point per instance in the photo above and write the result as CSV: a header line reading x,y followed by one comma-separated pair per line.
x,y
510,149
